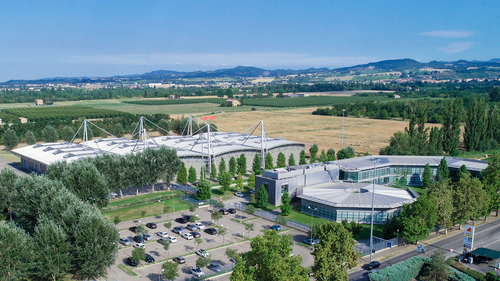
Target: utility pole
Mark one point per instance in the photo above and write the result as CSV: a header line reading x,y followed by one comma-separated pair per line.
x,y
375,160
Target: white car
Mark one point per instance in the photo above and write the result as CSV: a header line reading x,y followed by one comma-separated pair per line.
x,y
196,271
171,239
138,245
199,225
202,253
239,194
187,236
162,234
192,226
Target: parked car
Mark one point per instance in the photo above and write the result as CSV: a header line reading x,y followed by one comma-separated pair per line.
x,y
202,253
196,271
223,211
147,237
211,231
187,236
164,240
371,265
215,267
276,227
310,242
195,234
171,239
232,210
131,262
239,194
179,260
187,217
181,220
162,234
178,230
252,191
124,241
138,239
151,225
199,225
149,258
133,229
192,226
139,245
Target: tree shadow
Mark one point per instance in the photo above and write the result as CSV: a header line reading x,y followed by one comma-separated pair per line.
x,y
153,276
188,248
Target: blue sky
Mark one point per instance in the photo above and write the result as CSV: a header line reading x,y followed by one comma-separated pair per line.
x,y
104,38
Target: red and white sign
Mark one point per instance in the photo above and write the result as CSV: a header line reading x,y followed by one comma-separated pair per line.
x,y
468,243
209,117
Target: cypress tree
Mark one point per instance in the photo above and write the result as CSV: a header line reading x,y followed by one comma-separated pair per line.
x,y
232,166
476,124
222,165
269,161
291,160
427,176
242,164
323,157
442,173
285,206
182,174
192,174
213,172
451,127
313,151
262,197
302,160
281,162
256,164
462,172
330,154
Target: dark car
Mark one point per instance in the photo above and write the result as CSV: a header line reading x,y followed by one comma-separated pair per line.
x,y
151,225
133,229
215,267
131,262
179,260
187,217
139,239
195,234
149,258
211,231
372,265
181,220
232,210
224,211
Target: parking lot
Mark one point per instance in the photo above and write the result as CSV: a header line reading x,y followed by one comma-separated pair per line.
x,y
186,248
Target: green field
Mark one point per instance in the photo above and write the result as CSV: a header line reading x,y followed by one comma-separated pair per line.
x,y
62,112
311,101
171,102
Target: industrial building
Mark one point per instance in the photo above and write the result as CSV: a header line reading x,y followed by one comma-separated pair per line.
x,y
194,149
343,189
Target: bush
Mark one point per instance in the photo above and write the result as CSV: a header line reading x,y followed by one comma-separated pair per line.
x,y
405,270
474,274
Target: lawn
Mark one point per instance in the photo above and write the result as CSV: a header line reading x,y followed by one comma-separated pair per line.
x,y
365,231
9,156
142,198
299,217
152,209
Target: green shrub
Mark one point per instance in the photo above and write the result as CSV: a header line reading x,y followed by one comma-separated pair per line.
x,y
406,270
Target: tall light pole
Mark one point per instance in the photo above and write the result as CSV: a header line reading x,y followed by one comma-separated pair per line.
x,y
375,160
312,216
117,274
161,204
173,201
234,234
342,145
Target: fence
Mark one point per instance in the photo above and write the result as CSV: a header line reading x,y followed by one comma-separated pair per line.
x,y
185,188
225,268
269,216
198,203
378,244
141,202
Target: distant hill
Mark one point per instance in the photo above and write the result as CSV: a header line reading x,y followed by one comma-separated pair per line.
x,y
247,71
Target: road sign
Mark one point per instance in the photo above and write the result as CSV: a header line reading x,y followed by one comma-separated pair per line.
x,y
468,244
389,245
209,117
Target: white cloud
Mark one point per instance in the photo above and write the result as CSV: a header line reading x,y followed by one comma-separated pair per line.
x,y
222,60
456,47
448,34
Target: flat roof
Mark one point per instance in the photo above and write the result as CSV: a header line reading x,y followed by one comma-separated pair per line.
x,y
485,252
356,195
186,146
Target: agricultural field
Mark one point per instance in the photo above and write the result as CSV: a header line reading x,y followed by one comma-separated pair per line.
x,y
62,112
311,101
171,102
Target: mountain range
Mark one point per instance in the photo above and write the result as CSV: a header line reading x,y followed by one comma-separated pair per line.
x,y
246,71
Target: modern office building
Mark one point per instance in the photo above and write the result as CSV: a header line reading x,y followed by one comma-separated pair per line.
x,y
343,189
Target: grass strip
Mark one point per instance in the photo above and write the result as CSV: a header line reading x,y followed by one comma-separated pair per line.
x,y
127,270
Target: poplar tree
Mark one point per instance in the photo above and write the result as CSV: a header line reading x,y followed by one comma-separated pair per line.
x,y
442,194
323,157
291,160
451,127
192,174
426,176
269,161
241,164
491,177
285,207
213,172
262,197
313,151
281,162
442,172
182,174
232,166
475,125
251,180
256,164
302,160
222,165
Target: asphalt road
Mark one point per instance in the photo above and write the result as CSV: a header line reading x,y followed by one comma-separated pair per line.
x,y
487,235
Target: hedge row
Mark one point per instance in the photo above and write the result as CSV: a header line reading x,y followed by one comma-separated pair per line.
x,y
308,101
62,112
167,102
405,270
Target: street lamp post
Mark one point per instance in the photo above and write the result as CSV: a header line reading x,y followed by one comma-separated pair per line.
x,y
342,145
312,216
117,274
161,204
173,201
375,160
234,234
397,236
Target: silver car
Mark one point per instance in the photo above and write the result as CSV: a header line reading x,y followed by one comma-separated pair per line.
x,y
147,237
125,241
192,226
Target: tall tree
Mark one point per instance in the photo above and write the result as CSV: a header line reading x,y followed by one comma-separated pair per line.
x,y
256,164
262,197
138,255
213,172
438,270
470,200
302,159
281,162
222,165
350,152
335,254
241,164
462,172
427,176
49,134
442,173
442,194
232,166
182,174
451,127
418,218
18,258
494,94
251,180
30,138
270,247
475,125
10,139
269,161
330,154
118,130
170,270
291,160
323,157
67,133
204,190
435,144
224,181
192,174
165,127
285,207
313,151
83,179
239,182
491,176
